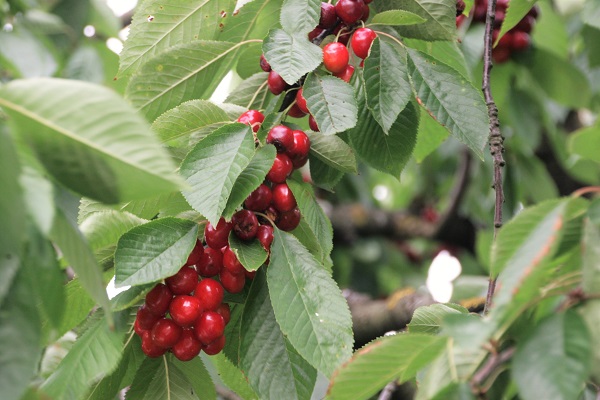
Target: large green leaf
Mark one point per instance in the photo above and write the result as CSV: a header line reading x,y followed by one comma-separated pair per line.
x,y
591,257
38,194
300,16
590,311
198,376
387,86
95,353
308,305
89,139
252,93
78,305
431,135
272,366
233,377
584,141
251,254
333,151
156,26
292,56
154,251
449,53
213,166
428,319
24,54
451,99
387,359
554,361
252,21
194,71
331,101
322,174
397,17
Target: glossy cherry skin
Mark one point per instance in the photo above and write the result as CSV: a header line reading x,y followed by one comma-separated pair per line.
x,y
299,152
289,220
145,320
185,310
149,347
259,199
276,83
188,346
253,118
225,312
301,101
265,236
184,281
281,137
312,123
328,16
281,169
295,111
165,333
196,253
283,198
211,263
217,237
245,224
209,327
264,64
231,262
361,41
158,299
215,347
349,11
210,293
335,57
345,75
233,283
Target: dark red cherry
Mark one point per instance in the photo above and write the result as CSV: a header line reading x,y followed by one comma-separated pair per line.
x,y
264,64
314,33
299,152
349,11
312,123
265,236
283,198
245,224
225,312
184,281
165,333
158,299
149,347
196,253
260,199
188,346
215,347
328,16
209,327
295,111
233,283
520,41
281,169
276,83
253,118
301,101
289,220
211,263
217,237
281,137
185,310
210,293
231,262
144,319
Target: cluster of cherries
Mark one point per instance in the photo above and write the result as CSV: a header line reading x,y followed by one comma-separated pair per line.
x,y
515,40
273,201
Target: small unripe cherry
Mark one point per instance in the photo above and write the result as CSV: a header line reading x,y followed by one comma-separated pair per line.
x,y
301,101
209,327
335,57
210,293
349,11
276,83
361,41
281,137
289,220
233,283
283,198
328,16
184,281
231,262
345,75
215,347
281,169
165,333
259,199
211,263
188,346
253,118
265,236
245,224
185,310
158,299
217,236
264,64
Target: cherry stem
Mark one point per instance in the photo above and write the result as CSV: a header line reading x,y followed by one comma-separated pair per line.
x,y
586,190
255,95
265,216
395,39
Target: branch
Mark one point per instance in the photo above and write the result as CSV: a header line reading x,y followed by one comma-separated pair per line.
x,y
490,366
226,394
388,391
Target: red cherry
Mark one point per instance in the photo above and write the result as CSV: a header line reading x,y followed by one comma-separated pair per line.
x,y
289,220
260,199
184,281
366,12
233,283
165,333
526,24
281,137
312,123
345,75
276,83
265,236
314,33
209,327
211,263
349,11
188,346
231,262
225,311
534,12
520,41
501,54
217,237
210,293
505,41
158,299
149,347
460,7
335,56
144,319
301,101
328,16
264,64
282,167
361,41
295,111
501,4
299,152
245,224
196,253
253,118
185,310
137,328
283,198
215,347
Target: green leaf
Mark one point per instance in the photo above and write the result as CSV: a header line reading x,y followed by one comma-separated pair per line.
x,y
584,141
450,53
252,21
591,257
130,297
189,123
25,55
78,305
331,101
554,361
38,195
195,69
96,352
250,178
590,311
591,14
428,319
213,166
397,17
333,151
517,9
264,351
154,251
156,26
89,139
292,56
308,305
198,376
451,99
391,358
322,174
300,16
387,86
431,136
252,93
250,253
233,377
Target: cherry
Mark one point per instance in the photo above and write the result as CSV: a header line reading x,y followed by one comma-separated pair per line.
x,y
250,274
187,347
276,83
526,24
295,111
520,41
312,123
366,12
215,347
149,347
158,299
144,319
165,333
137,328
299,152
196,253
265,236
260,199
233,283
282,167
211,263
289,220
231,262
217,237
272,214
328,16
184,281
209,327
281,137
225,311
505,41
361,41
335,56
301,101
314,33
349,11
345,75
245,224
185,310
534,12
253,118
283,198
210,293
264,64
500,54
460,7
